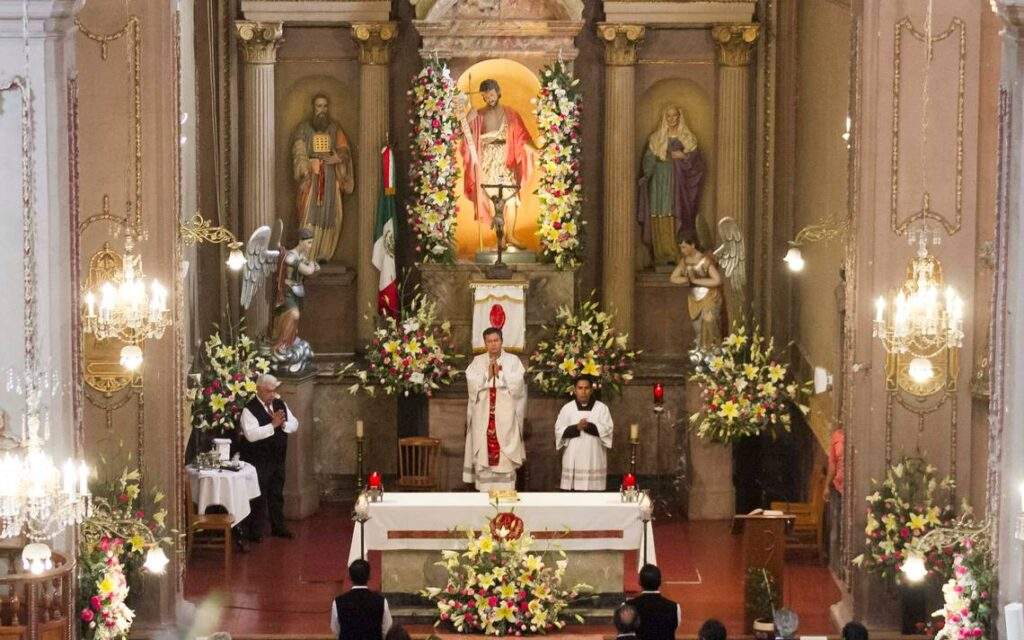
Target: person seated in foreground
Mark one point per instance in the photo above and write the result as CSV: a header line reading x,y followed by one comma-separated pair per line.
x,y
397,632
625,618
360,614
659,616
712,629
854,631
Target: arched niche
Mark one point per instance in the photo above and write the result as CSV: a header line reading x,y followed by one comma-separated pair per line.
x,y
436,10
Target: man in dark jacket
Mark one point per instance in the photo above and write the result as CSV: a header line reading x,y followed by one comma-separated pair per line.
x,y
659,616
360,614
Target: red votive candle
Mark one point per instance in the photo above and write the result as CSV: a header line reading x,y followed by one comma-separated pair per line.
x,y
659,393
628,481
374,482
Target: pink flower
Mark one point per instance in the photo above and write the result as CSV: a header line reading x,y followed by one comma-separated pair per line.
x,y
492,601
104,543
95,603
86,615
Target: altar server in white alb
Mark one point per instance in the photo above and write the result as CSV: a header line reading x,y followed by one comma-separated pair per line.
x,y
497,404
584,429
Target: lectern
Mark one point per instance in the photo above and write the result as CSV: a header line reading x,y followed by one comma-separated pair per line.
x,y
764,543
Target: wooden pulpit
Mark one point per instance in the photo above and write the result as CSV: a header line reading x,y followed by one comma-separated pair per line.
x,y
764,544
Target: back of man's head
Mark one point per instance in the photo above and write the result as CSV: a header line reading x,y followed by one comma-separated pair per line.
x,y
650,577
855,631
711,630
626,618
359,572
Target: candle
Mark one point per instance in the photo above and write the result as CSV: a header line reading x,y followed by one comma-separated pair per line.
x,y
374,482
1013,615
69,477
659,393
359,429
634,432
628,481
879,309
90,301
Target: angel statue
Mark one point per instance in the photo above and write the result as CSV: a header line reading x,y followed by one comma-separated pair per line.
x,y
703,273
288,353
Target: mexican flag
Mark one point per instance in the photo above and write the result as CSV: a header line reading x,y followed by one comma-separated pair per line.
x,y
384,238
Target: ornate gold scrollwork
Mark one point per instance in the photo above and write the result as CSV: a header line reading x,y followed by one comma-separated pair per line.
x,y
622,42
374,40
735,43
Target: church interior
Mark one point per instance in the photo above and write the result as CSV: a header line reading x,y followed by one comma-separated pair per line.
x,y
423,318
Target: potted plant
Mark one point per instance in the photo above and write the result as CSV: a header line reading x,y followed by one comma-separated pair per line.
x,y
762,599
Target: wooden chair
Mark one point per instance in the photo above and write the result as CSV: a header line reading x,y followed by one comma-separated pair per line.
x,y
417,464
809,528
217,523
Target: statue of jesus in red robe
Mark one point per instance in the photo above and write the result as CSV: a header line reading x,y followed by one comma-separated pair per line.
x,y
502,153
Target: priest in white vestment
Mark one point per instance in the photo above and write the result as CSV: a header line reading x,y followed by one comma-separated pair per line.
x,y
584,429
494,417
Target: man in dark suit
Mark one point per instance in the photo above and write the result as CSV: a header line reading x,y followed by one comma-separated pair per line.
x,y
360,614
266,422
625,619
659,616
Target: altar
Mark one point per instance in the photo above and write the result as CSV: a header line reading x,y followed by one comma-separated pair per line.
x,y
595,530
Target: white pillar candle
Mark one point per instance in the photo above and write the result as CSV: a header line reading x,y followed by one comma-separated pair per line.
x,y
634,432
359,429
1013,617
83,479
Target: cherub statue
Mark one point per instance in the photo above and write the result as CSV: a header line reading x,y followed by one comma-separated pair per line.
x,y
703,273
288,353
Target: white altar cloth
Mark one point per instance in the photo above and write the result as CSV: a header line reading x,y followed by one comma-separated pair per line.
x,y
230,489
589,521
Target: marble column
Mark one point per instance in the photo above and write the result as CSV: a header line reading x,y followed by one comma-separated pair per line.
x,y
374,40
1006,439
622,41
734,45
259,42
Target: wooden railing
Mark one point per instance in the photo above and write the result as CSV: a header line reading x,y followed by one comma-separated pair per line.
x,y
35,607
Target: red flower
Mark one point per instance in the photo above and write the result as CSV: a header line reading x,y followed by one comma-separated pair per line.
x,y
904,533
122,498
86,615
95,603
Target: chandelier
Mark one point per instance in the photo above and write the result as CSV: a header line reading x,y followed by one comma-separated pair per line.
x,y
923,321
127,308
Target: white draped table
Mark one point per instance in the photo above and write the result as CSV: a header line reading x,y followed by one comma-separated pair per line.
x,y
230,489
568,521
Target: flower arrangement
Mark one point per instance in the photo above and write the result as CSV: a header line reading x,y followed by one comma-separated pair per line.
x,y
411,354
582,341
114,541
761,594
434,166
497,587
560,223
226,381
967,595
909,503
745,391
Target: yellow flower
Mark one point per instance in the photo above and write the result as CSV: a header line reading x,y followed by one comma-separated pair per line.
x,y
534,606
250,386
768,389
507,591
392,346
534,563
568,365
540,618
735,340
933,516
729,410
872,525
218,402
500,572
918,522
225,352
106,585
137,542
591,368
716,363
505,612
413,346
486,580
541,592
486,544
775,372
750,371
889,521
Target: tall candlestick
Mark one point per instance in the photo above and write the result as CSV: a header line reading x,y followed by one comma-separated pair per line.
x,y
359,429
634,432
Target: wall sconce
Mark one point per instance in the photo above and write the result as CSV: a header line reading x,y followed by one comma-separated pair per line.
x,y
198,229
827,229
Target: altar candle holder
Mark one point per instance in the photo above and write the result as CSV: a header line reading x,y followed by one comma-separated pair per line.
x,y
659,397
629,491
375,488
359,461
634,443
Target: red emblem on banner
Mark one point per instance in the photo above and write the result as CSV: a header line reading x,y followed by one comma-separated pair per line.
x,y
497,316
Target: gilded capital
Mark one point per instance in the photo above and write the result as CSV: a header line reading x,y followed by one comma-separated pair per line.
x,y
259,40
374,39
734,43
621,43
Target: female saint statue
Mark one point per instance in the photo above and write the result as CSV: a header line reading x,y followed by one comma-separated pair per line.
x,y
672,177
